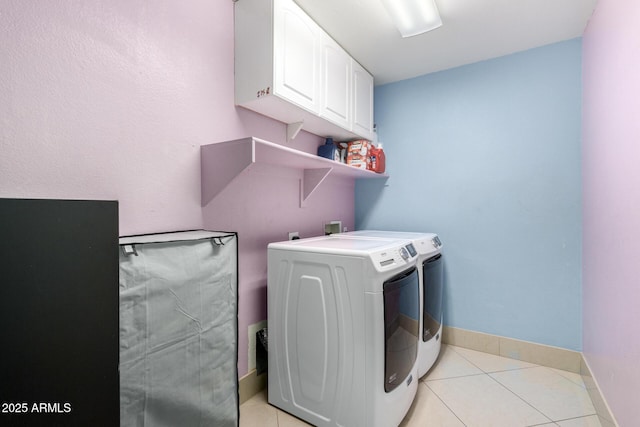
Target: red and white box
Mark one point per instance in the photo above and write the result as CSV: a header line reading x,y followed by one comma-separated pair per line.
x,y
358,153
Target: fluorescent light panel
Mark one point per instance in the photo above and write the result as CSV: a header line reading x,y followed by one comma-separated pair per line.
x,y
413,17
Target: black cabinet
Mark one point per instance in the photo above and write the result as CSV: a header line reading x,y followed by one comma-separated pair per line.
x,y
59,312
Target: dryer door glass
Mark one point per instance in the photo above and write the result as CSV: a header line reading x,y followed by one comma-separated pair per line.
x,y
432,294
401,321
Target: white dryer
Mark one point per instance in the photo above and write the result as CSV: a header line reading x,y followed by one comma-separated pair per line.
x,y
430,270
343,317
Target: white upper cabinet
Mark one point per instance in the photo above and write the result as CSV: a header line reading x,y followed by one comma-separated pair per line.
x,y
297,44
362,100
336,83
290,69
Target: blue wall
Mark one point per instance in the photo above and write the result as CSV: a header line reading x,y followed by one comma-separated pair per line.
x,y
488,156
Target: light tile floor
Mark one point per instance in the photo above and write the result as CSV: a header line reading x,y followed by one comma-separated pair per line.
x,y
474,389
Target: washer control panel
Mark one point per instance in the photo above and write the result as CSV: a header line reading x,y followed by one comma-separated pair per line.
x,y
408,251
400,255
412,250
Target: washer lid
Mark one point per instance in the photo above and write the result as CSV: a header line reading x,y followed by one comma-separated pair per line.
x,y
337,244
390,234
427,244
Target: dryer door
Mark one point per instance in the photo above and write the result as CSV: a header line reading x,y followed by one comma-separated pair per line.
x,y
432,293
401,321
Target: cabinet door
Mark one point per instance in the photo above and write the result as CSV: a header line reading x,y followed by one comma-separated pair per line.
x,y
362,101
296,55
335,83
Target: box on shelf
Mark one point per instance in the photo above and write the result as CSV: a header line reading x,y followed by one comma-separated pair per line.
x,y
358,153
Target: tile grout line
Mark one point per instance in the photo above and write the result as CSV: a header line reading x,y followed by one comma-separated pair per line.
x,y
582,386
544,424
521,398
577,418
454,377
493,372
444,403
568,380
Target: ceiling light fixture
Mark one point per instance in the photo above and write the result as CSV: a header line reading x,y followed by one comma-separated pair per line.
x,y
413,17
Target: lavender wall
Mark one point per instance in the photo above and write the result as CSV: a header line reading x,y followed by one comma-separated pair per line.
x,y
611,203
112,100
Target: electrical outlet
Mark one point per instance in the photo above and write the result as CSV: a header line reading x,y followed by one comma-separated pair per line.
x,y
294,235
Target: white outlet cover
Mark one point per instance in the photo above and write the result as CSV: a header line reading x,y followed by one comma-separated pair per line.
x,y
252,330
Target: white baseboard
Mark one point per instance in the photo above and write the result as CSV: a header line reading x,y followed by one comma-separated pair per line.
x,y
540,354
602,408
251,384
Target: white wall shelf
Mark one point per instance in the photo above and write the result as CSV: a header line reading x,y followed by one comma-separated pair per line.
x,y
222,162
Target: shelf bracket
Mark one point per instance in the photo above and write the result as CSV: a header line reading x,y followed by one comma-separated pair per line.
x,y
221,163
312,178
293,129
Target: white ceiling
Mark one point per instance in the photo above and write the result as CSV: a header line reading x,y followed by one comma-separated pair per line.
x,y
471,31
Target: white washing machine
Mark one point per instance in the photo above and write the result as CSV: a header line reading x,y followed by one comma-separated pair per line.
x,y
343,317
430,270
